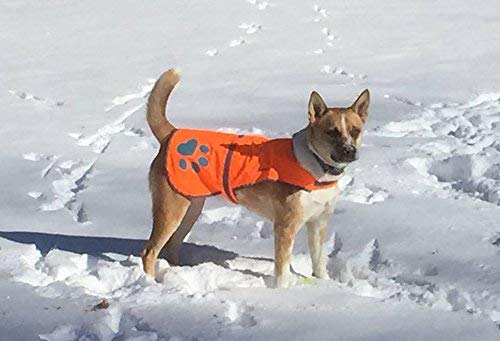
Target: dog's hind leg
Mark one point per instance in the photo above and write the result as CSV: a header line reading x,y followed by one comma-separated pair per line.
x,y
169,208
175,242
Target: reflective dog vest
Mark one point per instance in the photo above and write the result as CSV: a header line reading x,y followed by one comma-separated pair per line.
x,y
202,163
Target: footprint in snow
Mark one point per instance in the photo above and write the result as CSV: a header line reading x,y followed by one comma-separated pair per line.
x,y
403,100
124,99
240,315
74,175
327,33
261,5
135,132
35,157
236,42
36,195
250,28
75,136
321,11
100,140
30,97
212,52
329,70
330,37
65,190
233,43
495,239
361,193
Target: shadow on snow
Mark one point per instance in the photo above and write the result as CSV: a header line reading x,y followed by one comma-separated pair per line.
x,y
190,254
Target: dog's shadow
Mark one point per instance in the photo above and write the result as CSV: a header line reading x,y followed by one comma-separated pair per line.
x,y
190,254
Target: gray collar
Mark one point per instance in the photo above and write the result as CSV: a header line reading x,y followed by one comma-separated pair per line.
x,y
310,161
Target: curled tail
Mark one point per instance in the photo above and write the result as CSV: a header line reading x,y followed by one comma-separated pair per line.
x,y
157,102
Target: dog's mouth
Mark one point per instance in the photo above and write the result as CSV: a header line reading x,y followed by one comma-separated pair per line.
x,y
343,162
340,164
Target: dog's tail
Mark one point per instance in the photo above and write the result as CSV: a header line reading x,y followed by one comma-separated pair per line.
x,y
157,102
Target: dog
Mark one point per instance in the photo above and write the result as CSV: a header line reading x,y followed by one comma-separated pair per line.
x,y
290,182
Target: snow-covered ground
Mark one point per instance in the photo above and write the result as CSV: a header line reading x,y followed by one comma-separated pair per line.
x,y
415,239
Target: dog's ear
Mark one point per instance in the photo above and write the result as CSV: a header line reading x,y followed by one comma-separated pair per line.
x,y
317,107
360,105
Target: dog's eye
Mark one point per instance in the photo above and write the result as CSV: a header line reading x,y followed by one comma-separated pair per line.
x,y
355,132
333,132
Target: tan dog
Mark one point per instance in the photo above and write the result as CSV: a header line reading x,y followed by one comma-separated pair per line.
x,y
325,147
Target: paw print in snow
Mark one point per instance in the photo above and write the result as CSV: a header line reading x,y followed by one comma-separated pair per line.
x,y
189,148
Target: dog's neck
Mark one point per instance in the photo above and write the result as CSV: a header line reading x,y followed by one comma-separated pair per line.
x,y
333,169
319,169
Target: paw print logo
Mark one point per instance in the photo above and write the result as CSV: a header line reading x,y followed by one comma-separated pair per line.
x,y
188,149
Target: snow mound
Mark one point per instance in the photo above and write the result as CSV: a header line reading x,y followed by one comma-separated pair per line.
x,y
367,274
129,292
465,144
59,270
361,193
207,277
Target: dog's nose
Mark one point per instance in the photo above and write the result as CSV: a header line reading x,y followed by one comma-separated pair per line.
x,y
350,152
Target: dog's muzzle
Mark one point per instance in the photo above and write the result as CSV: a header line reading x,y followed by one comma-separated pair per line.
x,y
348,153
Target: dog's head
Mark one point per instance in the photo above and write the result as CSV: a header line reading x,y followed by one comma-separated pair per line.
x,y
334,134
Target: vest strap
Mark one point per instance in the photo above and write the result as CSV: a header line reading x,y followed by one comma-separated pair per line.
x,y
228,191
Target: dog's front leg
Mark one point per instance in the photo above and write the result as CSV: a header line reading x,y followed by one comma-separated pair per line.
x,y
316,235
284,236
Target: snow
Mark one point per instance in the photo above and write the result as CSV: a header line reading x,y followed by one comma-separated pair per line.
x,y
413,243
463,149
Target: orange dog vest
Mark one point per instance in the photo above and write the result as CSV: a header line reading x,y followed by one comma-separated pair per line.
x,y
204,163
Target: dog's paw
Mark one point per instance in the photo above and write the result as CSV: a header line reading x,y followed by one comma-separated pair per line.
x,y
282,281
189,149
321,274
